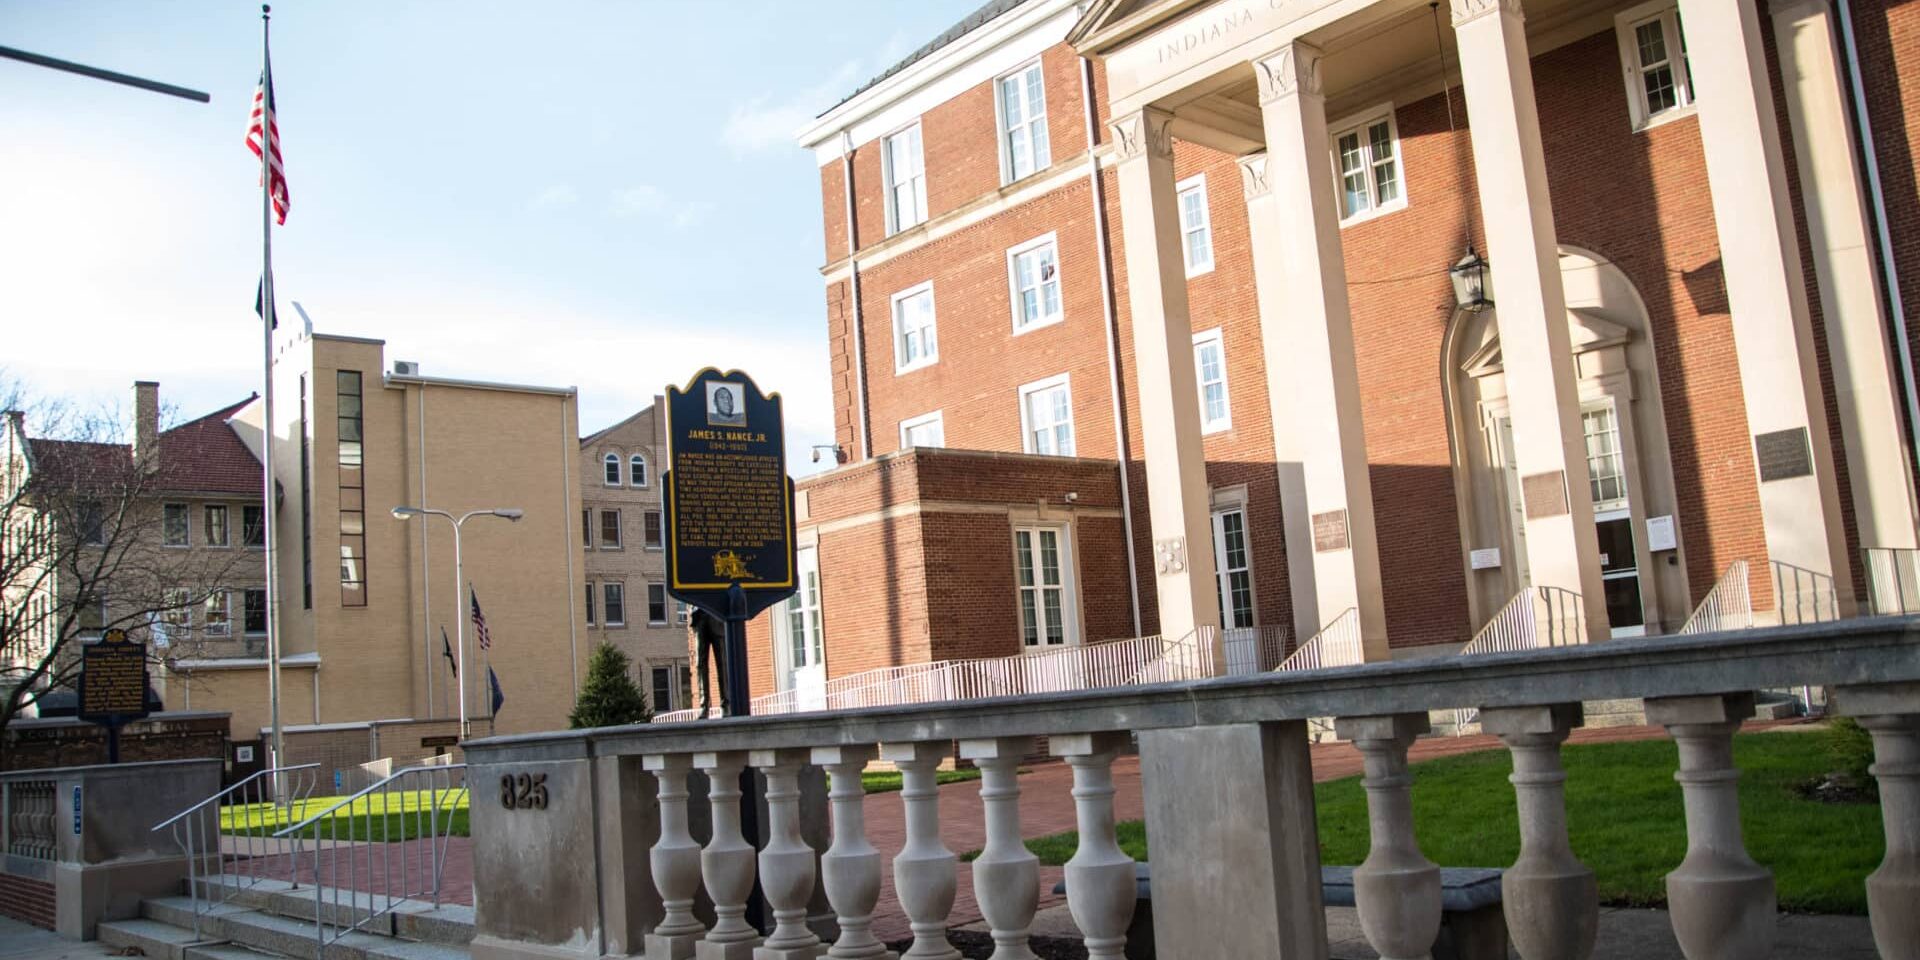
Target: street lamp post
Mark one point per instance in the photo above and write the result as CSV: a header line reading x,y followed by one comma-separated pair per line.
x,y
512,514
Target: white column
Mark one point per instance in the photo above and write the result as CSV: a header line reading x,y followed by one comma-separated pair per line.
x,y
1537,355
786,864
1179,502
1102,884
850,869
675,863
727,862
1552,900
1721,903
924,876
1006,875
1300,277
1891,712
1396,888
1865,390
1766,291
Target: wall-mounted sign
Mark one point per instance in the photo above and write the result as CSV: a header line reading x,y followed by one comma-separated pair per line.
x,y
1660,534
449,740
1783,454
113,679
79,810
1485,558
243,754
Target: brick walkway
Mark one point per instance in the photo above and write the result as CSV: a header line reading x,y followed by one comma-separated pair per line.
x,y
1046,807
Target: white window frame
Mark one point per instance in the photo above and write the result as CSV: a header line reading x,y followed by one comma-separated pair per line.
x,y
1624,25
1014,253
1194,185
1362,123
618,588
186,525
807,602
611,459
930,352
226,525
665,609
640,477
619,529
896,222
1009,171
1616,507
1027,392
1222,572
934,419
1069,594
1225,421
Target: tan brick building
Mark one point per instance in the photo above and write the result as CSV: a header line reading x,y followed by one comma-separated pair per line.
x,y
1212,246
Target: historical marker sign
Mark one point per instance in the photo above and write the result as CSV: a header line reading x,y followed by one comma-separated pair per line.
x,y
729,501
113,679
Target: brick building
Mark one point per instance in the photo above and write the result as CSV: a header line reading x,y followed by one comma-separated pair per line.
x,y
1360,312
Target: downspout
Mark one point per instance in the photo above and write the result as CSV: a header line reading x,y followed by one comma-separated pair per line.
x,y
1888,274
1103,258
861,431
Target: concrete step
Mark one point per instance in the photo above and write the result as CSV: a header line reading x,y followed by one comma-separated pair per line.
x,y
450,924
291,937
156,940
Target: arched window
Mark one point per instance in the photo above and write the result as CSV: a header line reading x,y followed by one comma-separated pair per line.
x,y
612,461
637,472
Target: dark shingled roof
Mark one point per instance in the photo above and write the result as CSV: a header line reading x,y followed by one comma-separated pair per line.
x,y
971,22
199,456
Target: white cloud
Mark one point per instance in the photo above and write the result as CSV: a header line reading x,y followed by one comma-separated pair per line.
x,y
643,200
769,122
554,196
649,202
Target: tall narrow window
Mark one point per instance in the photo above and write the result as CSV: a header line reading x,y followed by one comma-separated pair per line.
x,y
637,470
253,526
255,601
217,622
1023,124
805,644
1367,156
651,520
1653,48
1234,586
914,342
906,175
926,431
609,529
1033,271
615,595
1606,470
657,603
586,529
216,524
662,690
353,517
590,592
610,466
91,518
176,612
1210,371
1046,414
174,527
1041,572
1196,225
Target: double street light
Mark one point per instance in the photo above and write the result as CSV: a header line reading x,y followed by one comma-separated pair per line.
x,y
512,514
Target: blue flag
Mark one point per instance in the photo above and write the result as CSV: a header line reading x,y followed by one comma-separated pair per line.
x,y
493,681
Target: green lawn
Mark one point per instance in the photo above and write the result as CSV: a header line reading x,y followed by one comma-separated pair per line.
x,y
1625,818
401,815
889,782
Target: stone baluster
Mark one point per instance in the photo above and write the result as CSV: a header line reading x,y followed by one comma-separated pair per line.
x,y
787,863
727,862
1720,901
1891,712
924,873
1006,875
1552,900
1102,886
1396,888
850,869
675,862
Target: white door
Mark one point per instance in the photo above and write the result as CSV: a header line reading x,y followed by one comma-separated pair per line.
x,y
806,659
1043,573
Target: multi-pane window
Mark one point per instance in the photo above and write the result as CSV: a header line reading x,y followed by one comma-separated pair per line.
x,y
1233,568
93,615
91,518
1653,48
615,606
216,615
1367,156
1023,124
1606,470
1040,571
1033,271
651,523
1196,225
906,175
353,517
637,470
609,529
926,431
176,613
590,604
805,643
174,525
662,689
216,524
586,529
253,527
610,466
656,603
1046,414
914,342
1210,371
255,604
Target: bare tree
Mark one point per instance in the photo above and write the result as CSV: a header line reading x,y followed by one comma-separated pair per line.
x,y
82,547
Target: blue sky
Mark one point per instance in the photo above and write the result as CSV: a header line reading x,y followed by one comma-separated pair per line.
x,y
605,195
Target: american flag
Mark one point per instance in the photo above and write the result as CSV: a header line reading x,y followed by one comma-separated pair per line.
x,y
479,621
265,113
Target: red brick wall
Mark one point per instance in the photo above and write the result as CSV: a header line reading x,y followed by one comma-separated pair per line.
x,y
26,900
1887,33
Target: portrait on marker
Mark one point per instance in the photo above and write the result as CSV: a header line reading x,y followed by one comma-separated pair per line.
x,y
726,404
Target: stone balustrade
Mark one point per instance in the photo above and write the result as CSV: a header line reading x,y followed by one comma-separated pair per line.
x,y
662,862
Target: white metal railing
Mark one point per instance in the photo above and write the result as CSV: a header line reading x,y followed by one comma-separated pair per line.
x,y
1802,595
27,814
1338,644
1255,649
1893,580
1535,618
1728,606
387,844
228,838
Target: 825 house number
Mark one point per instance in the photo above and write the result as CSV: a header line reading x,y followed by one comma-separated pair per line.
x,y
526,791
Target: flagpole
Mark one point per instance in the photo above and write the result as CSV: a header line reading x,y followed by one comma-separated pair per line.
x,y
268,513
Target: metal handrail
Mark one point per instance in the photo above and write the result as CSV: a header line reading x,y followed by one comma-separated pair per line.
x,y
201,842
1331,647
1728,606
257,774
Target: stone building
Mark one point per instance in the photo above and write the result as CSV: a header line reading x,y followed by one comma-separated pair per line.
x,y
1367,315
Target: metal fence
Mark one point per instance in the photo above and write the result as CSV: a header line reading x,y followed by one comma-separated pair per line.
x,y
1338,644
1728,606
228,839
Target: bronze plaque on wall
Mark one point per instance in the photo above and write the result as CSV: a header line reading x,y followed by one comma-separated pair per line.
x,y
1330,531
1783,454
1545,494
